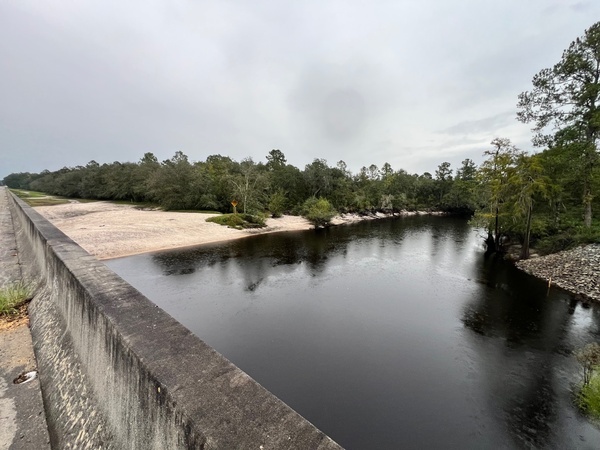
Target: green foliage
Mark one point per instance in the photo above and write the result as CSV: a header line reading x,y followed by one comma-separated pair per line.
x,y
494,189
318,211
33,198
564,108
13,296
238,221
249,183
27,194
555,243
277,203
589,395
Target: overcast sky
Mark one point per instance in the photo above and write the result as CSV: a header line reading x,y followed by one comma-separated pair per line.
x,y
412,83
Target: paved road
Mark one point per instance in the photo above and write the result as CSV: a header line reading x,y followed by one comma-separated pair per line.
x,y
22,417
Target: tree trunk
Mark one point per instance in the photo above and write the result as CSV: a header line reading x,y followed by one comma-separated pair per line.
x,y
497,231
556,215
587,204
490,243
525,248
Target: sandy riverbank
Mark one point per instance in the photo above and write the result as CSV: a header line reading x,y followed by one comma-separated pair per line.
x,y
107,230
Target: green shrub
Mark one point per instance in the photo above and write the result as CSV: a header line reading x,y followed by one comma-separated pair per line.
x,y
318,211
588,397
277,203
238,221
555,243
13,296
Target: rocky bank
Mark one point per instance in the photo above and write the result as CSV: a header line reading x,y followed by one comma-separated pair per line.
x,y
577,270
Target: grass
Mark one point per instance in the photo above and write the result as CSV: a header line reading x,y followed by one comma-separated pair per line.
x,y
238,221
50,201
28,194
13,296
33,198
197,211
139,205
589,398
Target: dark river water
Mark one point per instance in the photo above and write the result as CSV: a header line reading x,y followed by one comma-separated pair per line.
x,y
390,334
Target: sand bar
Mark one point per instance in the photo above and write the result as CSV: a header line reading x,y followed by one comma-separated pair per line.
x,y
107,230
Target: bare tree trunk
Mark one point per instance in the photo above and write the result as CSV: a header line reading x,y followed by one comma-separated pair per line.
x,y
587,204
525,248
490,243
497,231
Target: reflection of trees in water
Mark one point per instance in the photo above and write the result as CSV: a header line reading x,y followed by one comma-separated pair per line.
x,y
185,262
446,235
514,308
258,257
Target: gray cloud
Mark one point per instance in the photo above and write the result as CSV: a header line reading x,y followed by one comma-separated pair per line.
x,y
485,125
358,81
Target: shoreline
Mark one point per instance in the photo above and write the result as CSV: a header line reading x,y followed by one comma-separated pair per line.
x,y
576,271
110,231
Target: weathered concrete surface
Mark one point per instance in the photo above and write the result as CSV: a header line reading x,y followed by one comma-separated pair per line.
x,y
10,270
118,372
22,419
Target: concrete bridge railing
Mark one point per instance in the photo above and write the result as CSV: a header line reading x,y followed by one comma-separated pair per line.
x,y
117,372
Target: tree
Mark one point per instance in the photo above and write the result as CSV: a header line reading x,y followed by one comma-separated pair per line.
x,y
318,177
386,170
276,159
443,178
461,196
18,180
172,184
218,169
319,211
249,184
277,203
527,180
145,170
467,171
494,174
567,97
589,358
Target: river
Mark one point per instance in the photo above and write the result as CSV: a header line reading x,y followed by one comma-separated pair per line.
x,y
388,334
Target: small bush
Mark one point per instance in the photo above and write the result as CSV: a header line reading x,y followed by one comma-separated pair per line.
x,y
13,296
277,203
238,221
318,211
589,397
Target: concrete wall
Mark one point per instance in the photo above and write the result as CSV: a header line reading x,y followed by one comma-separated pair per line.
x,y
118,372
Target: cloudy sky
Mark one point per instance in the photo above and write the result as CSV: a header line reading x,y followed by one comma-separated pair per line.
x,y
409,82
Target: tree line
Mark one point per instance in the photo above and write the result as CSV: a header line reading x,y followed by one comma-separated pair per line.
x,y
273,185
547,197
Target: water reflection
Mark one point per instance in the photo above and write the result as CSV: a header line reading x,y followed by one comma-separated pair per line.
x,y
534,325
257,259
387,334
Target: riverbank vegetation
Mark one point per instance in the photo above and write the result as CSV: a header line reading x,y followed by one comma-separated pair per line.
x,y
239,221
12,297
588,397
544,197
